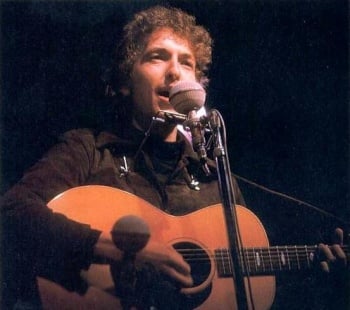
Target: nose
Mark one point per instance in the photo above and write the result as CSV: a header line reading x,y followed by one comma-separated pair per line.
x,y
173,71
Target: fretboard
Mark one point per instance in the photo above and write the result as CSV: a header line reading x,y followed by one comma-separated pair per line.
x,y
268,260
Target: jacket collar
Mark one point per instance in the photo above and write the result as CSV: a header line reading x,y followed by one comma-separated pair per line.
x,y
134,138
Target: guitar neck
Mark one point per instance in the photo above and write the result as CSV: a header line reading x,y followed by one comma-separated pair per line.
x,y
269,260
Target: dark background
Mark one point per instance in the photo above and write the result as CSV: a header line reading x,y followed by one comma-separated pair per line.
x,y
280,77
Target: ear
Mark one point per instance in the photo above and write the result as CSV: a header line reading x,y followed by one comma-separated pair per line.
x,y
124,90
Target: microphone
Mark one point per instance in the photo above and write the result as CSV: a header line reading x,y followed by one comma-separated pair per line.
x,y
184,96
130,234
187,98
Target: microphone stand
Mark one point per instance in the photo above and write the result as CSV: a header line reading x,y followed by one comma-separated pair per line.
x,y
225,188
228,202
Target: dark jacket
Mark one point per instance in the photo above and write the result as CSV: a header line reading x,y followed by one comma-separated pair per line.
x,y
40,242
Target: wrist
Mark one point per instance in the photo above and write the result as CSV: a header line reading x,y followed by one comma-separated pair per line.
x,y
105,251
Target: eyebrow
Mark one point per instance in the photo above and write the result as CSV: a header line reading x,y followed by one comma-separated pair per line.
x,y
184,55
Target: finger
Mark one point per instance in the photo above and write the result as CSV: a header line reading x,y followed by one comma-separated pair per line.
x,y
180,264
325,253
339,253
338,236
184,279
324,266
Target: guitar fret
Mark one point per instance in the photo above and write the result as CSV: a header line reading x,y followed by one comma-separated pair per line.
x,y
242,260
291,260
258,260
283,259
294,259
270,256
262,260
288,259
223,262
250,259
247,260
218,260
253,260
299,259
307,256
297,256
271,265
279,257
260,257
230,267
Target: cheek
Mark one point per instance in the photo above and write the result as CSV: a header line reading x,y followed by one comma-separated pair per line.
x,y
140,80
142,94
144,80
190,75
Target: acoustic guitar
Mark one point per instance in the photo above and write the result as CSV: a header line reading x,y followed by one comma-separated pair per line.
x,y
200,237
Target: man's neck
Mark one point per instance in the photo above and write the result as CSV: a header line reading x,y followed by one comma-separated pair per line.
x,y
171,136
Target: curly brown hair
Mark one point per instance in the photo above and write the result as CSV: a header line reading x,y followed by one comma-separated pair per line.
x,y
144,23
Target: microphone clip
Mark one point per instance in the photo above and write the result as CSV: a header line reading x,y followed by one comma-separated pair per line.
x,y
170,117
196,125
193,124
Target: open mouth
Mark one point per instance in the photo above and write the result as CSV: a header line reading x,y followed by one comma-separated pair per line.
x,y
164,94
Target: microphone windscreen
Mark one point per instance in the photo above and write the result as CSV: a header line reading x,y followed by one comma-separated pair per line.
x,y
186,96
130,233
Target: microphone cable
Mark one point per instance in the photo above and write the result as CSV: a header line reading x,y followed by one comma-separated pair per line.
x,y
290,198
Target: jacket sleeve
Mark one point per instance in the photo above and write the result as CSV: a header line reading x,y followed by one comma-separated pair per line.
x,y
37,240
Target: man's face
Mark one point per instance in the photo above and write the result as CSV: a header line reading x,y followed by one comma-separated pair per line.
x,y
165,60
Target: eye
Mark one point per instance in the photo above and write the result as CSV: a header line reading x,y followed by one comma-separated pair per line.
x,y
154,56
188,63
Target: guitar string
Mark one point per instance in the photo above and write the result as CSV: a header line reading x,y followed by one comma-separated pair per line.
x,y
274,253
262,249
275,264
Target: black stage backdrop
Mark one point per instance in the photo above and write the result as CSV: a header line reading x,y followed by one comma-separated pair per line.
x,y
279,77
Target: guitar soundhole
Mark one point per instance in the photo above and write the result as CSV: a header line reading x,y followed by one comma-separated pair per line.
x,y
197,258
200,264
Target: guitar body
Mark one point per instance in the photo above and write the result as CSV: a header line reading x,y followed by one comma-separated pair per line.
x,y
102,206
